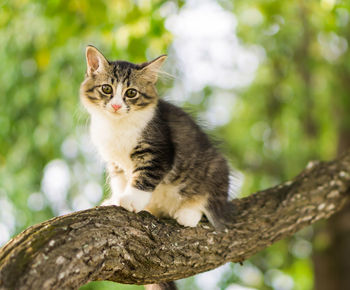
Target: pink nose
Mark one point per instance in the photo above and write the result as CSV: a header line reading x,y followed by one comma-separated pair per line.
x,y
116,107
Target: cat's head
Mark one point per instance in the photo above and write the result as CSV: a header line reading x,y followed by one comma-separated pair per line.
x,y
118,88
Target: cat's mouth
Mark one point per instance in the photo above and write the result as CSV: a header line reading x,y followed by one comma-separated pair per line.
x,y
116,111
113,112
113,108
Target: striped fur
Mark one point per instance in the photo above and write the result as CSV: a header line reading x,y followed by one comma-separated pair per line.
x,y
158,158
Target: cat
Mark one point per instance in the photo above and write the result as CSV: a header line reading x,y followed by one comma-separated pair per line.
x,y
158,159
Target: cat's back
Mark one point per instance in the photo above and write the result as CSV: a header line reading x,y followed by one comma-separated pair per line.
x,y
174,114
195,155
184,131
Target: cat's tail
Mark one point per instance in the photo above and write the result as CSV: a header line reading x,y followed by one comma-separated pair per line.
x,y
220,210
161,286
220,214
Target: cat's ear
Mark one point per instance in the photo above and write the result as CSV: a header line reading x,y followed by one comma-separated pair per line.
x,y
152,68
95,60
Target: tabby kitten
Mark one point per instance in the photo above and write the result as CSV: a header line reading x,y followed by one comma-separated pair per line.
x,y
157,158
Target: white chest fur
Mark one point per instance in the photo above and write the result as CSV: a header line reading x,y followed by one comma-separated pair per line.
x,y
115,138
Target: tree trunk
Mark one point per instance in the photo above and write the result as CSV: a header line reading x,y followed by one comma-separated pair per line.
x,y
109,243
332,263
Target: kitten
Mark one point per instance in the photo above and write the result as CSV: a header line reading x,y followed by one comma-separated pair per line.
x,y
157,158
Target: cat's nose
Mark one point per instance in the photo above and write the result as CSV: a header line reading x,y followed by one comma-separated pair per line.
x,y
116,107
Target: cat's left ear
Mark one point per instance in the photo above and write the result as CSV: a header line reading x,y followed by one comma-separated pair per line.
x,y
95,60
152,68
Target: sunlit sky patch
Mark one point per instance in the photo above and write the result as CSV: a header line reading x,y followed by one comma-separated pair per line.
x,y
207,48
55,185
208,52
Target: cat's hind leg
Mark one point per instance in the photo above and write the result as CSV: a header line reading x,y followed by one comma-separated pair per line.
x,y
190,212
188,217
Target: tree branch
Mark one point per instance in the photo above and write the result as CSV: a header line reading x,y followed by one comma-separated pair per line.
x,y
109,243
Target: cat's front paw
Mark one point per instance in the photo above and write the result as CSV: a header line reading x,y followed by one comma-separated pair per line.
x,y
188,217
134,199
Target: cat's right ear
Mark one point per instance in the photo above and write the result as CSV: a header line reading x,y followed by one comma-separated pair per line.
x,y
95,60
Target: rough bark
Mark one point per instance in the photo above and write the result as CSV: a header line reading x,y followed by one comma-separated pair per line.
x,y
109,243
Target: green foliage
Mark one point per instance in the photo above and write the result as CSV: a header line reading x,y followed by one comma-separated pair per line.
x,y
106,285
295,110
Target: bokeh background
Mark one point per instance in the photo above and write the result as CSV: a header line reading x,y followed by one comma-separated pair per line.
x,y
269,78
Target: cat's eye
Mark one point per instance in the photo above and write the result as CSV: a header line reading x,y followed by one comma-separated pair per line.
x,y
131,93
107,89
